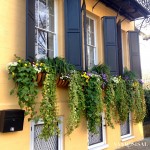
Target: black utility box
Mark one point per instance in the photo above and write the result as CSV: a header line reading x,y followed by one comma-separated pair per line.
x,y
11,120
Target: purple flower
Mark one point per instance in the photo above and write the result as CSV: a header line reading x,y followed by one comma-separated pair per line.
x,y
140,81
104,77
89,74
126,78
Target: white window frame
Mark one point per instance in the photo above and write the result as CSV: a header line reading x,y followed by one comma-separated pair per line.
x,y
95,38
127,136
101,145
55,33
60,136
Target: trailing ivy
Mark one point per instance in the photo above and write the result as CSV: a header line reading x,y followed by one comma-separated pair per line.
x,y
135,95
94,102
121,105
48,110
76,101
140,108
109,101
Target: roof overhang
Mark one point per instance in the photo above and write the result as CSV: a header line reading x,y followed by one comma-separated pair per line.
x,y
131,9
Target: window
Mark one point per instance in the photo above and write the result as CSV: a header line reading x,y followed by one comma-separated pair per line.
x,y
126,129
53,143
91,41
97,141
45,30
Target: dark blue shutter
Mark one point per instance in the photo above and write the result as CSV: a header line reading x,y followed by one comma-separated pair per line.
x,y
135,63
30,30
110,44
120,56
73,32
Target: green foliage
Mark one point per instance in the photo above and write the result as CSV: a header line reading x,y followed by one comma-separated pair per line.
x,y
59,65
109,101
147,100
121,100
24,75
140,107
48,111
76,101
94,102
135,95
88,93
101,69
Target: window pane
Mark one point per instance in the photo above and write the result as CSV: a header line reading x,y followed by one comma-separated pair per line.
x,y
50,41
92,39
125,128
90,56
96,138
91,25
42,14
42,5
50,23
50,45
42,20
41,144
41,44
51,7
87,24
36,12
44,41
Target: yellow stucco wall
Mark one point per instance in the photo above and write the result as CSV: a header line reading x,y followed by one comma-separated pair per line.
x,y
12,41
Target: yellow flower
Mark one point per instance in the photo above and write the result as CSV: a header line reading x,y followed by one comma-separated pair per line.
x,y
13,74
135,84
36,64
19,60
25,65
41,64
87,80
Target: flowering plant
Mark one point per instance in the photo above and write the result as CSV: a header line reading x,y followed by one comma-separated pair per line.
x,y
24,75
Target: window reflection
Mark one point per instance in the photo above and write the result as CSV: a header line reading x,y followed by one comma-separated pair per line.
x,y
44,32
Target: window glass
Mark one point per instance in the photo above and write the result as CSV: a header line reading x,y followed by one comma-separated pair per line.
x,y
125,127
91,46
41,144
96,138
44,29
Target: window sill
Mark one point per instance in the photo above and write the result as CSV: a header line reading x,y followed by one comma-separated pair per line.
x,y
98,147
127,138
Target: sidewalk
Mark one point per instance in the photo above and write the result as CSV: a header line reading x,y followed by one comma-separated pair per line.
x,y
141,145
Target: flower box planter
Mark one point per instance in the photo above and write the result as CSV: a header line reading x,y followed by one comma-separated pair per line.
x,y
62,82
40,78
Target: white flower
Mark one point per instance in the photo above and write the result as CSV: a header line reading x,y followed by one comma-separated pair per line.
x,y
115,79
37,69
10,64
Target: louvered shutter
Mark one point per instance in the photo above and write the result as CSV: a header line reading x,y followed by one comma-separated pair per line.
x,y
30,30
110,44
135,63
73,32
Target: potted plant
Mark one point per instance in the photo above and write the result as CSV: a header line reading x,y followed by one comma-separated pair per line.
x,y
24,75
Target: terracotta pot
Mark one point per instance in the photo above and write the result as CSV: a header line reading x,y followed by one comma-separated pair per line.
x,y
62,82
40,78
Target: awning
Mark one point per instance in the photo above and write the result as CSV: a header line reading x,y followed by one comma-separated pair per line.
x,y
131,9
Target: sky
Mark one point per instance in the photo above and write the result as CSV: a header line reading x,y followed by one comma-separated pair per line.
x,y
144,50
